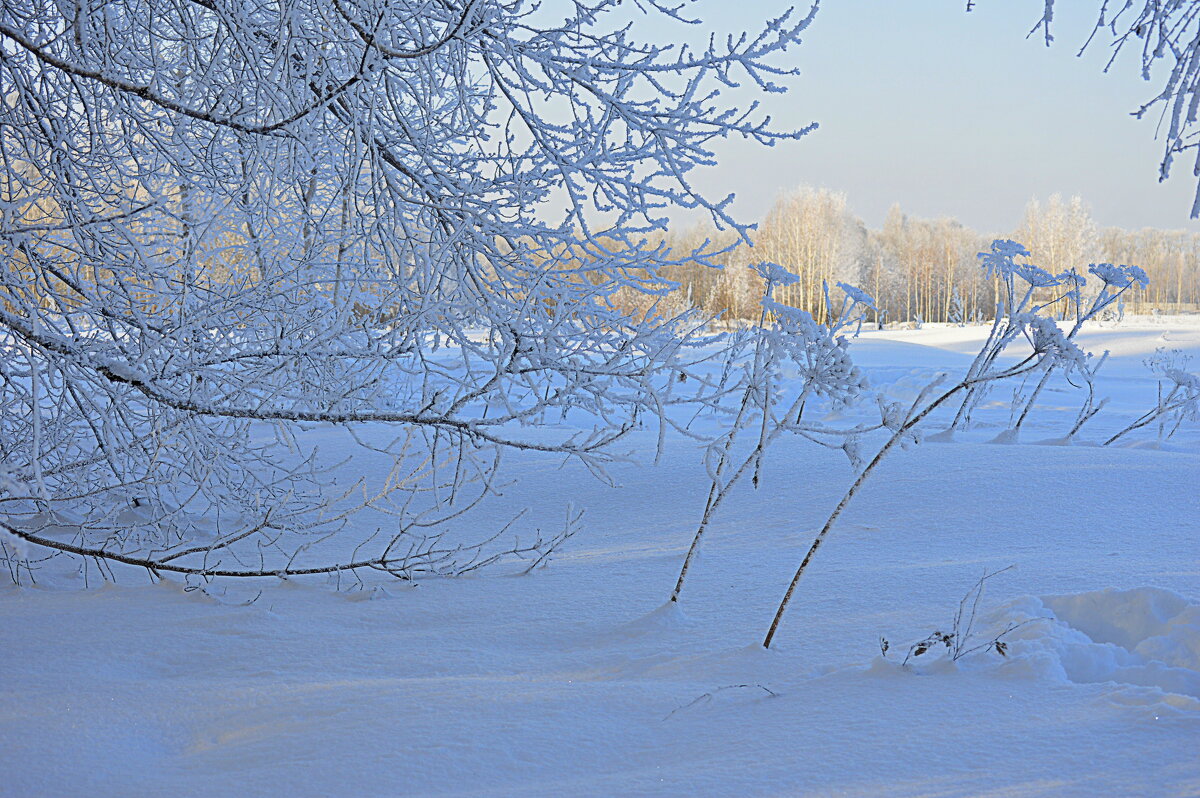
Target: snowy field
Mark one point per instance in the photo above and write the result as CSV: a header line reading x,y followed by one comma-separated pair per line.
x,y
578,679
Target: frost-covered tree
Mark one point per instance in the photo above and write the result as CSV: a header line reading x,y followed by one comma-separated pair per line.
x,y
1062,233
222,220
921,262
813,232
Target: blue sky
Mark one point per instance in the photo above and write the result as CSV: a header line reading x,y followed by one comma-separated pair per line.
x,y
955,114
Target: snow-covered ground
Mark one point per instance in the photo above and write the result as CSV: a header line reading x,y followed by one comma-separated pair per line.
x,y
577,679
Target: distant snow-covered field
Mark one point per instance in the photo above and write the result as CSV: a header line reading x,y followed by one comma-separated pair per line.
x,y
578,679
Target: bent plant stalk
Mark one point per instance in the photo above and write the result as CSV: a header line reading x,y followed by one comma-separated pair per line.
x,y
1101,302
1172,402
898,435
770,426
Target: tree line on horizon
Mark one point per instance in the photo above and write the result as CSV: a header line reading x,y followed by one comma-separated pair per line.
x,y
918,270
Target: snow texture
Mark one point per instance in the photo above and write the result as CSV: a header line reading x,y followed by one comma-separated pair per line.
x,y
579,678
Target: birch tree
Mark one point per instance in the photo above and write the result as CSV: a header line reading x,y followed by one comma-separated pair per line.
x,y
1063,235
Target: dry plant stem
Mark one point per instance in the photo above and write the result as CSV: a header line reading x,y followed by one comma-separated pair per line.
x,y
981,361
1097,306
716,491
1090,407
769,426
709,696
1033,397
1164,407
714,498
866,472
963,633
1086,414
837,511
716,494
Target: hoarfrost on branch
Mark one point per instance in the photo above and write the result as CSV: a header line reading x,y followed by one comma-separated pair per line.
x,y
221,220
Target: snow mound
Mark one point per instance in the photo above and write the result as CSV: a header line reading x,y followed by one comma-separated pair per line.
x,y
1144,642
664,619
1157,624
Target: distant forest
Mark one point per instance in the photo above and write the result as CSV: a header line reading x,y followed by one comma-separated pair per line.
x,y
917,269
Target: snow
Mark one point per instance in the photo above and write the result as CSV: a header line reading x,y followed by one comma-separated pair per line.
x,y
579,678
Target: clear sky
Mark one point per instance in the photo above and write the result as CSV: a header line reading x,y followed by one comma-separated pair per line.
x,y
956,114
